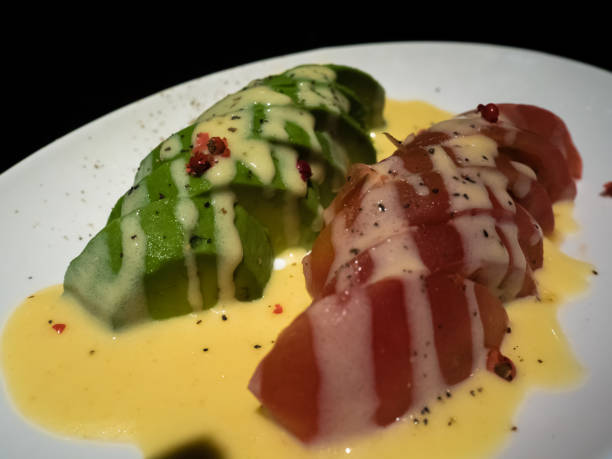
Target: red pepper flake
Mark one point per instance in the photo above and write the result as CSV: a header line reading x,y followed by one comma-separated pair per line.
x,y
201,143
607,191
501,365
278,309
218,146
199,163
59,328
204,152
304,168
489,112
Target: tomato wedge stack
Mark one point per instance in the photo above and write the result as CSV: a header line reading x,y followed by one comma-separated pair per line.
x,y
410,271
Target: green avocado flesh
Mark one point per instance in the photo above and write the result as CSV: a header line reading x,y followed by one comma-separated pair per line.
x,y
177,242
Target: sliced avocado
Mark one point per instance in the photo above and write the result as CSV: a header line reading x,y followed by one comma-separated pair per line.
x,y
182,238
136,268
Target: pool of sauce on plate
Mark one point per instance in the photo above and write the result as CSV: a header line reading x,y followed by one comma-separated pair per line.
x,y
180,385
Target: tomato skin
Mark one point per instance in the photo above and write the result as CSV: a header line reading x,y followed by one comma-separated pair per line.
x,y
287,380
391,345
290,381
547,125
373,288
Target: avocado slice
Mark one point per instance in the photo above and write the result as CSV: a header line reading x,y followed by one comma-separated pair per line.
x,y
162,260
181,239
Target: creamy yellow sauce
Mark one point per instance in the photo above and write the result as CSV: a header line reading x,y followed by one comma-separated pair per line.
x,y
162,384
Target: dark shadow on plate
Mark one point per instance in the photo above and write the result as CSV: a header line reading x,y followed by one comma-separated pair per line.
x,y
199,448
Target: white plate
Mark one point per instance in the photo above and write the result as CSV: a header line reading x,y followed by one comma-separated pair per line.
x,y
52,202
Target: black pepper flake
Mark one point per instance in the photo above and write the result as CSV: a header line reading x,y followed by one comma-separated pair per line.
x,y
381,207
205,349
485,158
133,236
354,251
451,421
508,330
425,421
469,179
540,361
235,117
232,129
457,194
466,196
595,272
207,204
162,195
257,346
473,393
514,428
431,151
375,223
435,190
92,352
407,206
425,410
448,394
31,296
224,317
121,255
50,321
485,232
199,322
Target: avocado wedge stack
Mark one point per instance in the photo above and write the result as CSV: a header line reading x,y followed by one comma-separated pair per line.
x,y
214,203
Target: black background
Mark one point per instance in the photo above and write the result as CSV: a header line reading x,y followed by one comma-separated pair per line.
x,y
64,71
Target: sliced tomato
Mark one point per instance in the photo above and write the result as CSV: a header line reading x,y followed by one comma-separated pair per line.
x,y
545,124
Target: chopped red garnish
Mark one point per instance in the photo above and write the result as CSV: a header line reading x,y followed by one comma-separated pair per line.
x,y
218,146
204,152
607,191
278,309
201,143
489,112
304,168
199,163
59,328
